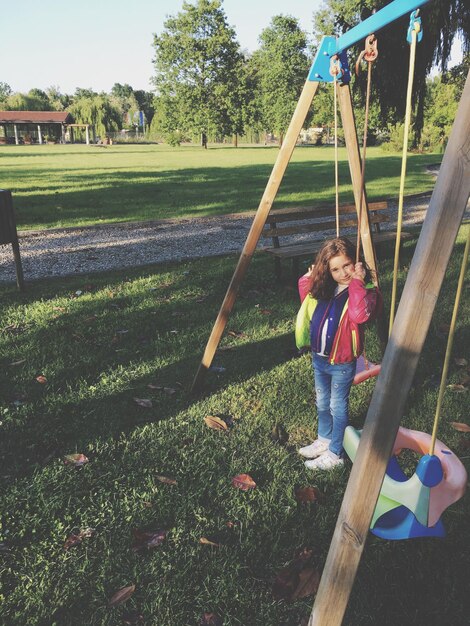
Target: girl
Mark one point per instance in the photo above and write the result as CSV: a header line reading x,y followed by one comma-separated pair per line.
x,y
336,303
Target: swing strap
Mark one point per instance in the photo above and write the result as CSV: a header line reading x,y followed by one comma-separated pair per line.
x,y
335,71
450,342
415,28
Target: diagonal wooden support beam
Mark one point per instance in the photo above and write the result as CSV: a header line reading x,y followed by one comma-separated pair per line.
x,y
257,226
435,245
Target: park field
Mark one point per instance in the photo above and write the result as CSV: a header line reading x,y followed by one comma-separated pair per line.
x,y
102,366
75,185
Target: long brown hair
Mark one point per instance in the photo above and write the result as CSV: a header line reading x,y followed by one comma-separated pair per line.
x,y
322,283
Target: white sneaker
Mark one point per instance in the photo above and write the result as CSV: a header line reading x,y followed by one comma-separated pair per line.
x,y
326,461
315,449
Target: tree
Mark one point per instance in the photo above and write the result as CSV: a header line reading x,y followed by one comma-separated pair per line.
x,y
5,91
98,111
197,64
34,100
281,65
442,22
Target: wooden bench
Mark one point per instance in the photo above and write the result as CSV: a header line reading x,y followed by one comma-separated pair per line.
x,y
8,233
321,220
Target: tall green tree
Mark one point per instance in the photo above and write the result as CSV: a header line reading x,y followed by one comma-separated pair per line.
x,y
97,110
5,91
442,22
281,65
197,71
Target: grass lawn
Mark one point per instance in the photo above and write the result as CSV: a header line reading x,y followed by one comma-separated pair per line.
x,y
71,185
98,343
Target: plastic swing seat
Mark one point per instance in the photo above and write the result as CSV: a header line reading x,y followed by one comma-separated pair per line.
x,y
365,369
412,507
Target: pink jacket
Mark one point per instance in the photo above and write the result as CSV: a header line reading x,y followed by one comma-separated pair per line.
x,y
364,304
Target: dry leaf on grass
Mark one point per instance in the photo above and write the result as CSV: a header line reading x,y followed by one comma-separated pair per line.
x,y
75,538
307,494
207,542
121,596
461,427
77,460
41,379
166,480
216,423
243,482
211,619
297,580
143,402
457,388
148,539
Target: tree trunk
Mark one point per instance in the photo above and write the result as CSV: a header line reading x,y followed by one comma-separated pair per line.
x,y
204,140
235,140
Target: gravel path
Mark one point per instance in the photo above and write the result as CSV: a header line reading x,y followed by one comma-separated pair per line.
x,y
69,251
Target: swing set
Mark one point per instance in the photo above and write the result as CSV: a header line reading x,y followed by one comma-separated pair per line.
x,y
378,494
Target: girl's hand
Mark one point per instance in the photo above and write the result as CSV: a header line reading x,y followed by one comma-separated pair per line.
x,y
309,273
359,272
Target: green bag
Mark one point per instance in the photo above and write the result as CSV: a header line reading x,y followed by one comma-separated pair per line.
x,y
302,324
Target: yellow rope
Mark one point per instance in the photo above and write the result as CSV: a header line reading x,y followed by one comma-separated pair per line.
x,y
450,341
414,35
363,169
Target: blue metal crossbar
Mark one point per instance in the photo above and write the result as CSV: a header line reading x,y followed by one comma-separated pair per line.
x,y
320,70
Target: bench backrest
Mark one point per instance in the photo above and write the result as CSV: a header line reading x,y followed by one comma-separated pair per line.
x,y
297,220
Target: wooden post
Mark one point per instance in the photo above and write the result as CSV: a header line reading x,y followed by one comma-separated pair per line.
x,y
435,245
354,158
87,135
15,128
259,221
8,233
355,168
39,134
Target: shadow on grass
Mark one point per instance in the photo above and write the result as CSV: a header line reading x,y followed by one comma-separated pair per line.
x,y
104,352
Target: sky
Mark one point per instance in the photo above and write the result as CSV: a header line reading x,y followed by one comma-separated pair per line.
x,y
96,43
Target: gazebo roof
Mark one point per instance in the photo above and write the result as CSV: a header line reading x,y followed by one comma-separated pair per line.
x,y
35,117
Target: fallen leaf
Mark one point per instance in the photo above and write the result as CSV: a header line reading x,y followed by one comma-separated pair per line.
x,y
309,579
208,542
243,482
237,334
307,494
166,480
265,311
279,434
61,309
75,539
146,540
298,579
211,619
457,388
168,390
121,596
143,402
78,460
216,423
461,427
41,379
17,362
461,362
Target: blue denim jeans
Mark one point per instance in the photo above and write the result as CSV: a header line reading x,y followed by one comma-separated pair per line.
x,y
332,386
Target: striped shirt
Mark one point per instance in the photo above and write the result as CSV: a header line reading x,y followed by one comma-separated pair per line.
x,y
325,321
